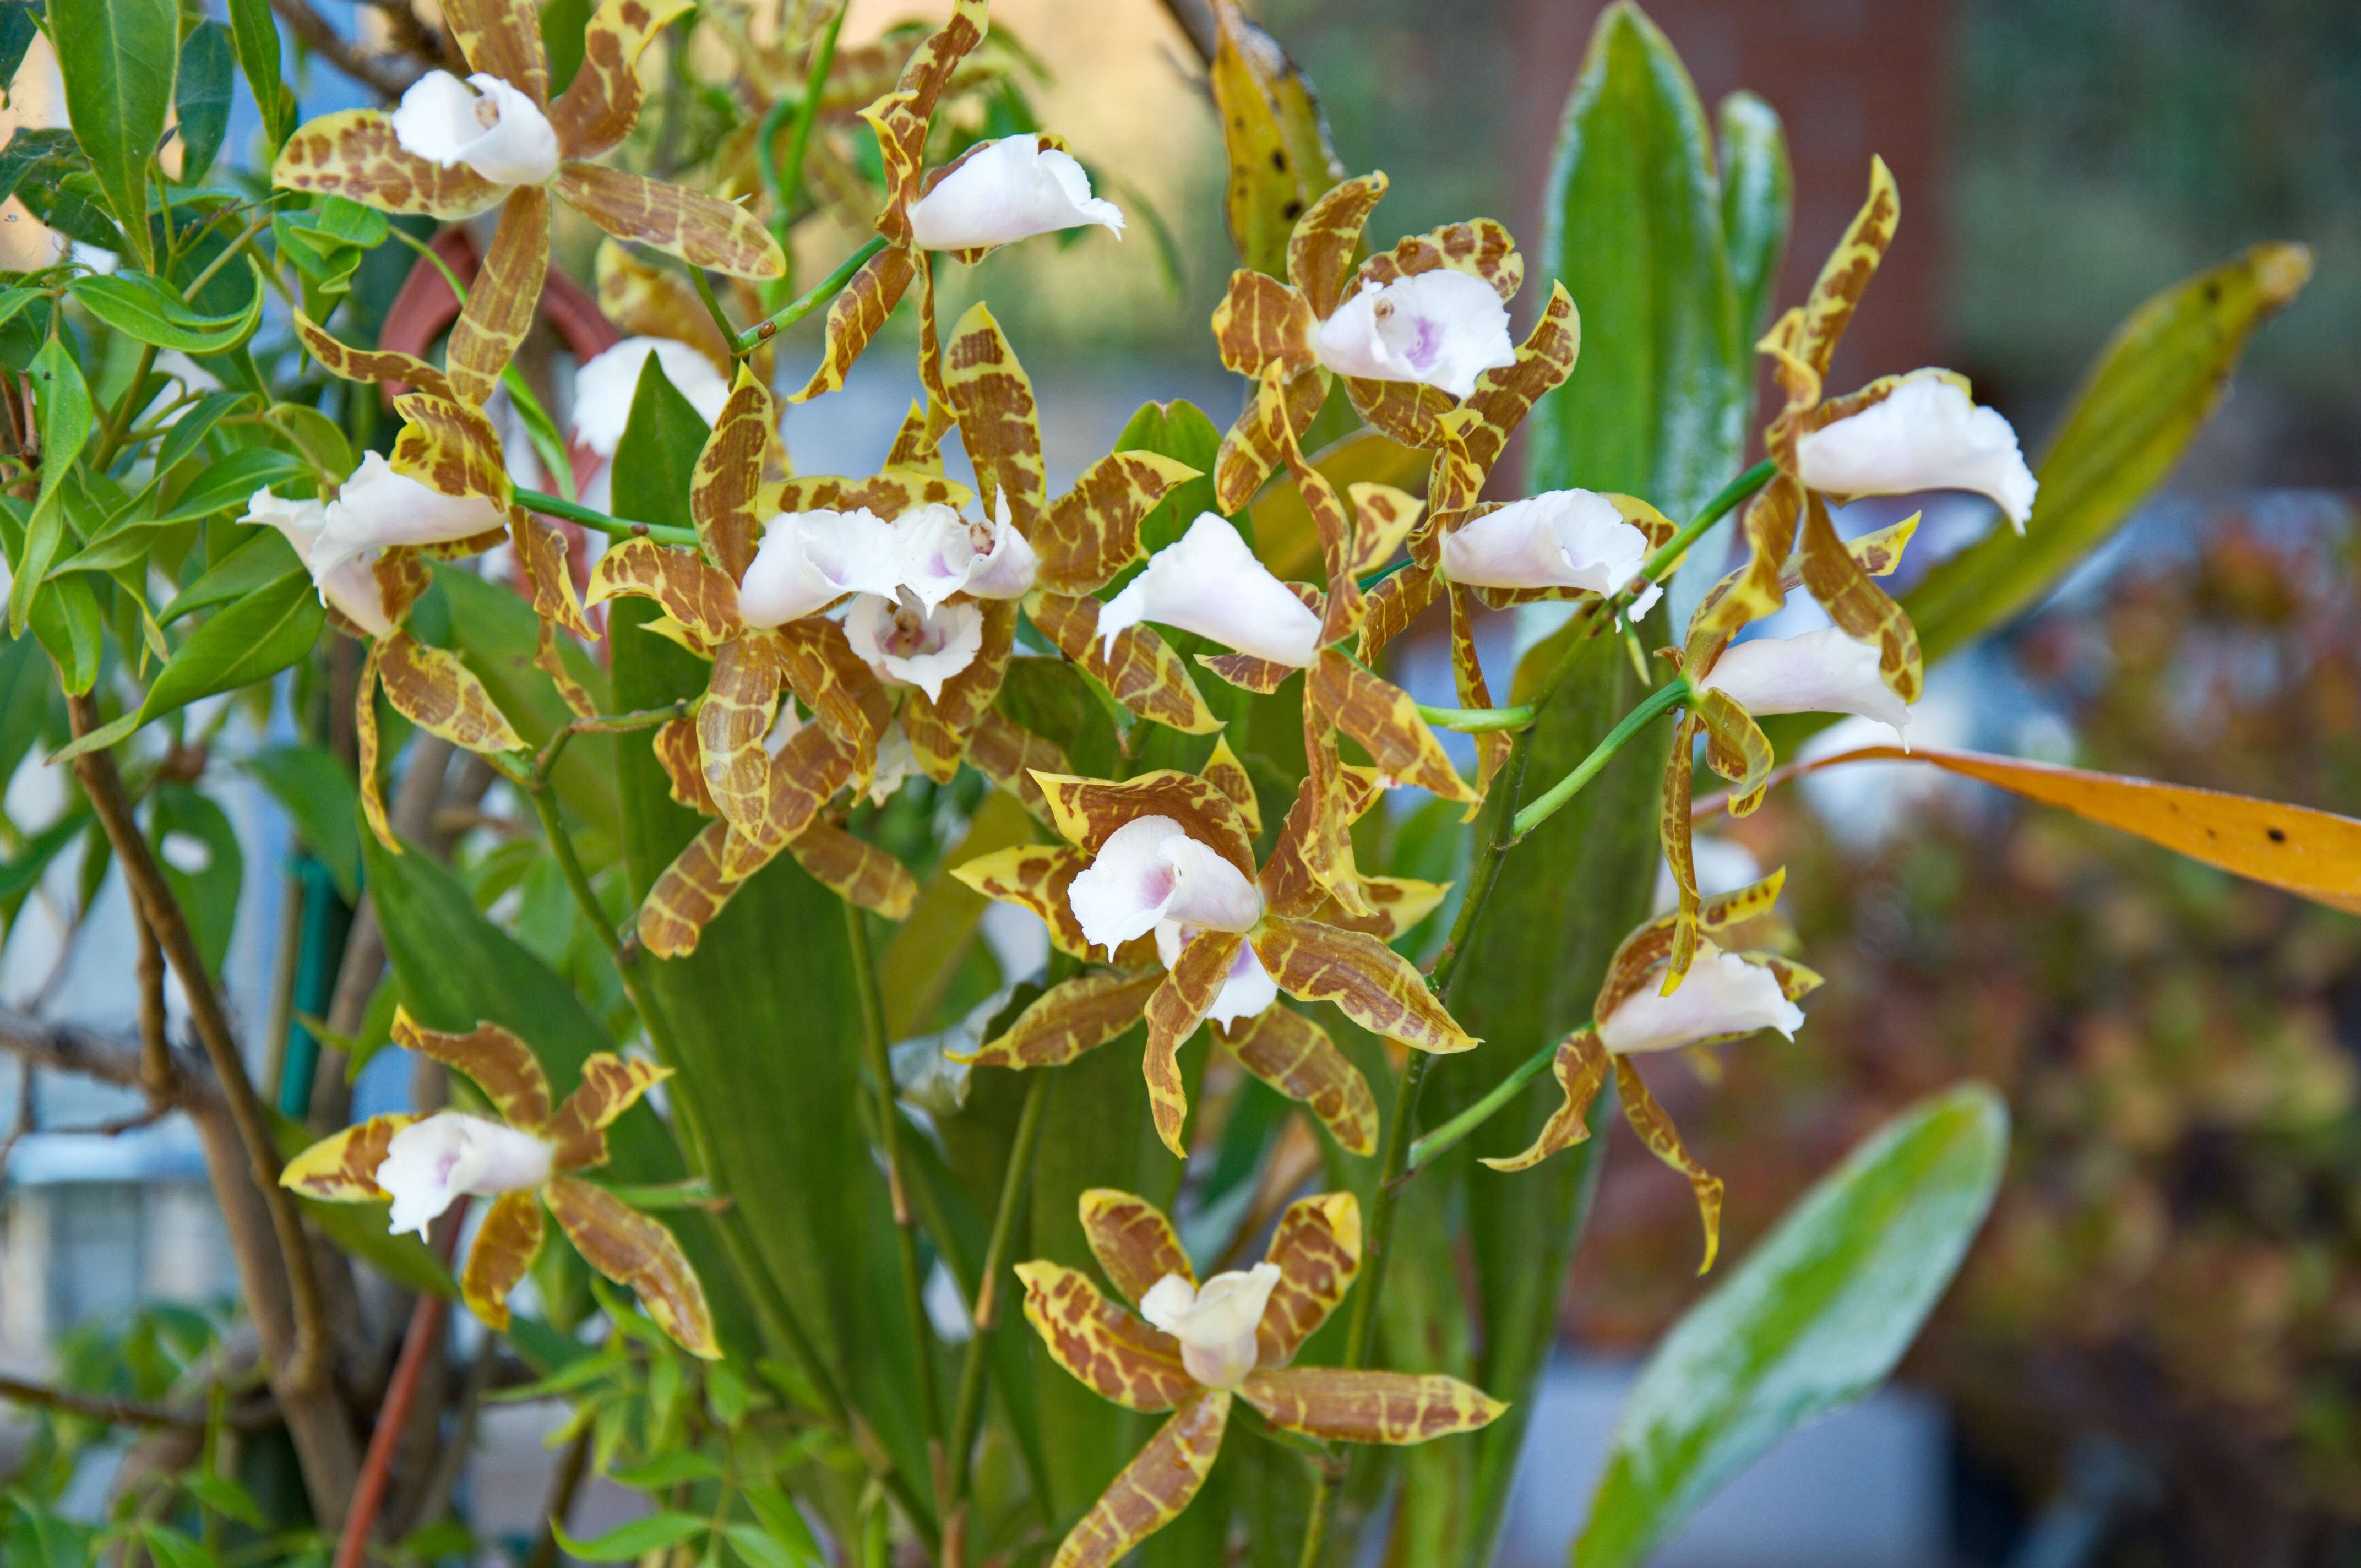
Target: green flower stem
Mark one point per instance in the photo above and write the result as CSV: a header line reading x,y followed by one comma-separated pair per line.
x,y
968,1408
823,60
1479,721
602,724
827,289
711,301
612,527
778,1314
1660,565
1423,1152
1371,579
879,1060
1546,805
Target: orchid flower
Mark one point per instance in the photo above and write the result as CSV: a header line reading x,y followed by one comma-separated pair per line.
x,y
454,148
1156,878
1562,540
527,1160
1204,1345
1208,582
1819,671
1923,434
998,192
908,644
1726,996
350,587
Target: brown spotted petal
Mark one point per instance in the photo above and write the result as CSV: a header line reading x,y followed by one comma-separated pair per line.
x,y
1317,1247
1227,773
1652,942
805,776
346,363
441,696
889,493
1110,1352
857,314
1174,1010
1492,747
341,1167
1480,247
1139,669
1368,1407
998,419
1262,325
1581,1067
1505,394
1093,531
1395,904
451,448
1034,877
1069,1018
1402,411
495,1060
691,592
1735,748
1295,1056
365,748
1009,755
507,1239
688,894
1755,589
1086,812
1263,677
1259,440
1320,252
741,700
1372,984
1384,720
1393,604
646,300
1150,1492
352,154
1382,518
1844,278
677,751
1133,1241
1673,835
541,549
610,1085
702,230
854,870
939,726
599,106
835,684
729,476
636,1250
1856,603
1343,608
502,38
1324,846
1663,1140
503,298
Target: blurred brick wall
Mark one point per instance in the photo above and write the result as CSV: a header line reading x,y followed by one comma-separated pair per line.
x,y
1849,77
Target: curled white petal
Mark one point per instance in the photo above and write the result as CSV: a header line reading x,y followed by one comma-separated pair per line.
x,y
1150,869
1007,191
495,129
351,584
897,763
1005,563
1721,995
806,561
604,386
1215,1322
1562,538
1927,435
1208,582
428,1164
906,642
1442,328
1245,990
378,509
1819,671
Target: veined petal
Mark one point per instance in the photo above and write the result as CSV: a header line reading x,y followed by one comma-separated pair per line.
x,y
1005,191
1442,328
1215,1322
351,585
1245,990
1150,869
604,386
1925,434
904,642
1565,539
483,122
377,508
1820,672
429,1164
1210,583
1722,996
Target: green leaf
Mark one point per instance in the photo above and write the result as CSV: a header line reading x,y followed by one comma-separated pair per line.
x,y
198,850
1279,159
118,58
1758,204
665,1471
170,1549
146,310
19,22
760,1550
202,96
231,483
1177,429
259,561
251,640
195,422
21,875
626,1542
27,704
38,155
1816,1315
783,1521
225,1496
66,621
2153,389
257,36
563,26
320,797
320,439
1632,227
64,409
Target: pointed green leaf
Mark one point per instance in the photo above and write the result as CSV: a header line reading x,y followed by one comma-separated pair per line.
x,y
146,310
1758,203
256,34
321,800
118,58
263,558
628,1542
202,96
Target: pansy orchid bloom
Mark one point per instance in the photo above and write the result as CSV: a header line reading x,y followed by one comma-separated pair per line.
x,y
1727,996
1197,1346
526,1160
1156,881
453,148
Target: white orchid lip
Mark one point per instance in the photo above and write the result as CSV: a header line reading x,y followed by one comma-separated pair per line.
x,y
1215,1323
1007,191
1247,991
1150,871
944,553
1722,994
351,585
1442,328
1925,434
378,509
429,1164
604,384
1560,538
1820,672
494,130
905,643
1208,582
806,561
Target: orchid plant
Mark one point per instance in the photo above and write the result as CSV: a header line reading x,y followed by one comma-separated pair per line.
x,y
832,839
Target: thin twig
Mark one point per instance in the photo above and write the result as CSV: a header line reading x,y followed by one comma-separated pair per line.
x,y
100,1407
389,74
